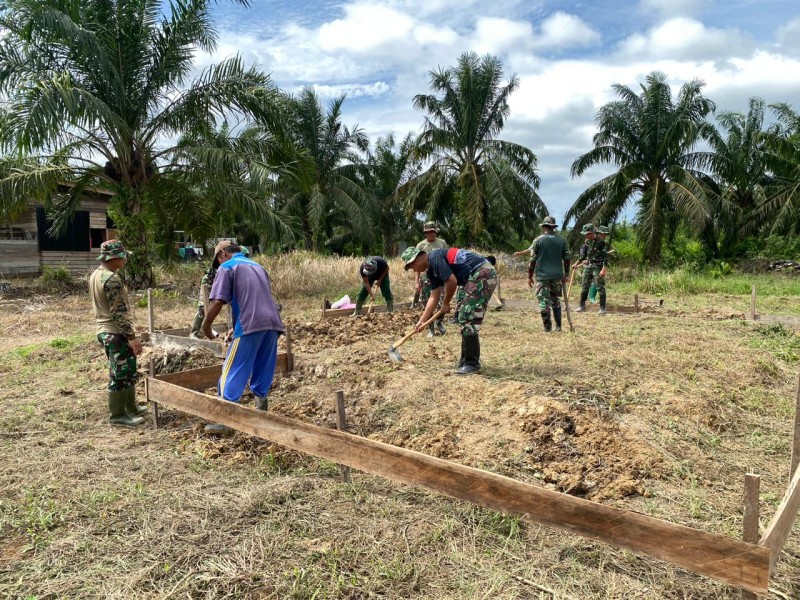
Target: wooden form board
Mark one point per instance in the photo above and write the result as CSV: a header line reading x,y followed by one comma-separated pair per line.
x,y
346,312
515,303
785,321
180,337
781,525
206,377
738,563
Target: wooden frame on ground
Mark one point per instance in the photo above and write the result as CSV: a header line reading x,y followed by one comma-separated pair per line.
x,y
758,318
335,313
743,564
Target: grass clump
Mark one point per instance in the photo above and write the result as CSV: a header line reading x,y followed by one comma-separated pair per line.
x,y
783,343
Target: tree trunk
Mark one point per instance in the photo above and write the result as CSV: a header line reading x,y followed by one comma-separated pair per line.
x,y
138,273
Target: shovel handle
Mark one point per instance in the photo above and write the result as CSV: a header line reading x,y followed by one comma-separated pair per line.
x,y
369,308
404,339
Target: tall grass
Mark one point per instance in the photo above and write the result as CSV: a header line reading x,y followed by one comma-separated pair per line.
x,y
685,282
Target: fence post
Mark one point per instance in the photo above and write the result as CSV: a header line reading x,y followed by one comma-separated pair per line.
x,y
753,303
796,438
752,485
150,324
152,372
341,424
636,303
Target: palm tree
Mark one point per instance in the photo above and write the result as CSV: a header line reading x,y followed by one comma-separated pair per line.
x,y
384,173
325,194
649,138
483,182
98,92
740,176
780,210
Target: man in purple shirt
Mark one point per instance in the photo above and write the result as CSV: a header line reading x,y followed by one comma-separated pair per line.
x,y
253,353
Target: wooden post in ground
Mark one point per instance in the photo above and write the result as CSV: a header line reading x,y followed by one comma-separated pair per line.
x,y
150,323
289,354
636,303
324,302
341,424
752,485
796,439
206,293
753,303
147,392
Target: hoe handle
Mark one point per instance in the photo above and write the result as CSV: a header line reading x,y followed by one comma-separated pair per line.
x,y
404,339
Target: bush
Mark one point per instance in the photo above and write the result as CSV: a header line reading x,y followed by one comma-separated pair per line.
x,y
58,277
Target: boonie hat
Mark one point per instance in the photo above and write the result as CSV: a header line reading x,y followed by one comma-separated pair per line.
x,y
430,226
588,228
112,249
603,229
548,222
408,256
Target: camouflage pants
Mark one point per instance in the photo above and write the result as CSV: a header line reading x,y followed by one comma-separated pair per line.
x,y
548,292
591,274
477,291
121,361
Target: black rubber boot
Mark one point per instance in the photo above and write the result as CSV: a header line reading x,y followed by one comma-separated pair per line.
x,y
602,303
548,325
439,325
120,416
196,324
431,331
472,356
557,317
390,306
133,409
584,297
262,402
462,359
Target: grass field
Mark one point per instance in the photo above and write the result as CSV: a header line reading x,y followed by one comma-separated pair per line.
x,y
662,412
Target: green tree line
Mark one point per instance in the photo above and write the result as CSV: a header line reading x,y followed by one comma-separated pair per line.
x,y
103,93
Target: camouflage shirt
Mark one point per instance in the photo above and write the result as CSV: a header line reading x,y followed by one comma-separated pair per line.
x,y
208,278
594,252
112,309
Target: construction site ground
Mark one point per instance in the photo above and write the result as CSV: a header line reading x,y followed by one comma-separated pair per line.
x,y
661,412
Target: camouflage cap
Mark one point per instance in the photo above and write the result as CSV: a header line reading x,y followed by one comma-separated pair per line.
x,y
603,229
588,228
112,249
409,255
548,222
245,251
430,226
369,267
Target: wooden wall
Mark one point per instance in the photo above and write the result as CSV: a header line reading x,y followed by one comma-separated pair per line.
x,y
19,257
77,262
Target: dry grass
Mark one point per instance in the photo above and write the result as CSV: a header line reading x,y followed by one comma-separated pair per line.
x,y
686,404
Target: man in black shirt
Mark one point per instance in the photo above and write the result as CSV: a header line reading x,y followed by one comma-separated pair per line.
x,y
374,270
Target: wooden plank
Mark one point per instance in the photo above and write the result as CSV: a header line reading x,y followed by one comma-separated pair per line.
x,y
781,525
97,220
341,425
735,562
202,378
346,312
636,303
781,320
752,485
753,302
796,437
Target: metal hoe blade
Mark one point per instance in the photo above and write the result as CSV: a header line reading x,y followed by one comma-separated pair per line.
x,y
394,354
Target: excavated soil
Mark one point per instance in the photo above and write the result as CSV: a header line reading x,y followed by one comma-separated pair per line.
x,y
331,333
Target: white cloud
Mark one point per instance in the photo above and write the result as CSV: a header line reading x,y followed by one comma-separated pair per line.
x,y
788,36
364,27
352,90
496,35
686,39
566,31
673,8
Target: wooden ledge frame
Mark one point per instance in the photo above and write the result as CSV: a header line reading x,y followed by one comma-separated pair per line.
x,y
335,313
741,564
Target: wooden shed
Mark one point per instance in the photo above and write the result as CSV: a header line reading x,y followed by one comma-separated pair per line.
x,y
26,245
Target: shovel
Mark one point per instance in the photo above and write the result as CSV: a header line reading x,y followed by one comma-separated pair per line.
x,y
394,354
371,304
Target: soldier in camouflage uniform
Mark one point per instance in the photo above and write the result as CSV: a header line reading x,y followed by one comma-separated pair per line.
x,y
112,310
450,269
549,262
594,256
422,283
206,283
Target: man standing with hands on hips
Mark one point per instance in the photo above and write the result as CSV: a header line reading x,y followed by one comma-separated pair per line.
x,y
253,353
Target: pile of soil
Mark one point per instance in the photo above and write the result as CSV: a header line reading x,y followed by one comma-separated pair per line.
x,y
313,336
171,359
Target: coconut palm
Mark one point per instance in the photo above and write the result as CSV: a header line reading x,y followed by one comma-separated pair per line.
x,y
98,91
740,175
780,210
650,139
474,177
324,193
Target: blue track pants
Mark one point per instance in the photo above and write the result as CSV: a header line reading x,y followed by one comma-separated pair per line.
x,y
252,358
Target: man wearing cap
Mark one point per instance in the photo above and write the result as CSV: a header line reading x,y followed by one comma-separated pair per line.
x,y
205,284
422,284
550,263
253,353
112,310
593,256
374,273
449,269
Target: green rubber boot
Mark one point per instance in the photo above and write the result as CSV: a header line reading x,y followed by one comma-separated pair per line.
x,y
357,311
390,306
120,416
131,407
196,324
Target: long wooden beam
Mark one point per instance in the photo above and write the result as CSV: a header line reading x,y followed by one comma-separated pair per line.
x,y
335,313
203,378
735,562
781,525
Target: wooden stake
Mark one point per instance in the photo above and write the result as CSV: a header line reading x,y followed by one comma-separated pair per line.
x,y
752,485
753,303
206,291
289,355
796,439
150,323
780,526
636,303
147,392
341,424
324,302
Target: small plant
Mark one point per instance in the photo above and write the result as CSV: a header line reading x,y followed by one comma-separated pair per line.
x,y
56,276
720,269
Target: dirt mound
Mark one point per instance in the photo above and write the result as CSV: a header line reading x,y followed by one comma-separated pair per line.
x,y
332,333
585,454
175,358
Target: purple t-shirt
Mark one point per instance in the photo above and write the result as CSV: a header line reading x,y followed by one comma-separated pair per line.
x,y
245,285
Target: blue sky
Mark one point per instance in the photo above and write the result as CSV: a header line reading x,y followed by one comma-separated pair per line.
x,y
566,54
